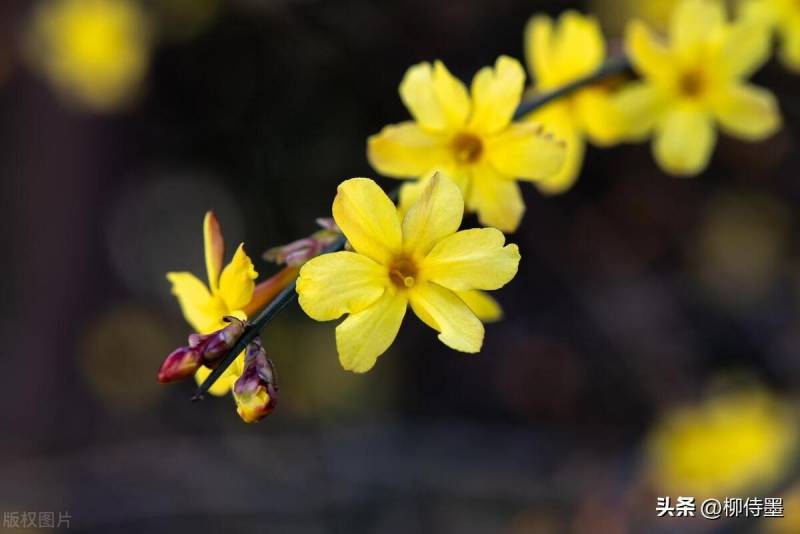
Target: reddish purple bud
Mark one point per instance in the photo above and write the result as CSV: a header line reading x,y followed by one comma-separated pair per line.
x,y
298,252
256,391
203,349
182,363
215,345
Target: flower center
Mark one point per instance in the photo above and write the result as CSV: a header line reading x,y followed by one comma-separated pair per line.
x,y
403,272
467,148
692,83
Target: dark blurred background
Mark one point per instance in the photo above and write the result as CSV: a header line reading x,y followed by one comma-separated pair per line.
x,y
636,294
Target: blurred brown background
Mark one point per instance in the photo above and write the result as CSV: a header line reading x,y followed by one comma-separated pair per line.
x,y
635,292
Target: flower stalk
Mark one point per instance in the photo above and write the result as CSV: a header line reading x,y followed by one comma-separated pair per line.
x,y
613,67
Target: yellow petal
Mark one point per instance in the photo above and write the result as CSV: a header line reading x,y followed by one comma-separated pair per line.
x,y
648,53
443,311
566,177
496,93
341,282
684,141
485,308
365,335
237,281
640,105
559,55
435,215
693,22
407,151
496,199
747,46
224,382
472,259
201,310
597,116
580,48
748,112
214,246
789,52
526,151
368,219
410,192
437,100
538,49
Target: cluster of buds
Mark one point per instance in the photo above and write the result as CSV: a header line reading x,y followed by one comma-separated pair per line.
x,y
256,391
298,252
203,349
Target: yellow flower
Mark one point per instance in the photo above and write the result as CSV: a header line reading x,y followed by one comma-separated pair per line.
x,y
422,261
557,56
734,442
229,292
470,138
693,83
95,51
784,17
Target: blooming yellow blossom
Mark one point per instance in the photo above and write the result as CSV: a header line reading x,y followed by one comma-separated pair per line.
x,y
229,292
695,82
558,55
784,17
468,137
422,261
95,51
734,442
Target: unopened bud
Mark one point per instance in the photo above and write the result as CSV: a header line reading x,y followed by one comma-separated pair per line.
x,y
181,363
256,391
203,349
298,252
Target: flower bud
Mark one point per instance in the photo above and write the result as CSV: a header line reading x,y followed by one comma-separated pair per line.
x,y
180,364
203,349
256,392
298,252
213,346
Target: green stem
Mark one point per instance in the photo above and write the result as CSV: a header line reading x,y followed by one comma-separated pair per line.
x,y
612,67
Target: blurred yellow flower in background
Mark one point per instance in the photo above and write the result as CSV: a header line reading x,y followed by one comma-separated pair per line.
x,y
734,442
95,52
693,83
782,16
468,137
558,54
422,261
229,292
790,521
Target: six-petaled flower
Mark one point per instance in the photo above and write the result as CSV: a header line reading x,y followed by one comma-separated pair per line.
x,y
421,261
469,137
694,82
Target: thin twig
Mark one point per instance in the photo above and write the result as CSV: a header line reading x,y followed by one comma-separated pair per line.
x,y
612,67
